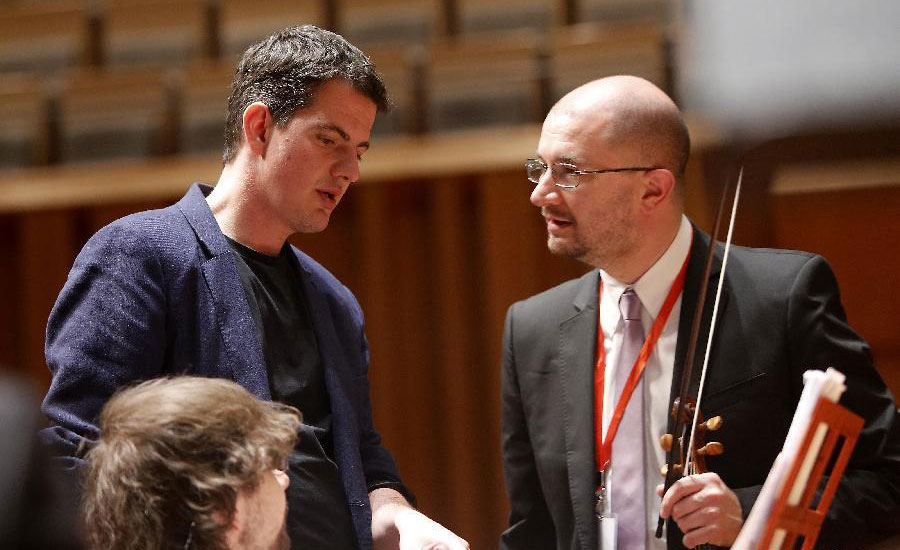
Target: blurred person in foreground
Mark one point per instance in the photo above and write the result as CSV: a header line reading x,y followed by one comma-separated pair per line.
x,y
211,286
189,462
608,179
38,504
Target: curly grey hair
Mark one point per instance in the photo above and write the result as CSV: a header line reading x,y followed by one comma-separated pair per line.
x,y
173,455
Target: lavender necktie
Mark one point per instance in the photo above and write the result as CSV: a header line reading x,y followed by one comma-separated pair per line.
x,y
628,494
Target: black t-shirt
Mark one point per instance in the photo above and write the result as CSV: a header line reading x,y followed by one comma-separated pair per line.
x,y
318,515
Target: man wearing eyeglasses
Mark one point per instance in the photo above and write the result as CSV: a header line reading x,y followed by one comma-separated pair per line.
x,y
588,366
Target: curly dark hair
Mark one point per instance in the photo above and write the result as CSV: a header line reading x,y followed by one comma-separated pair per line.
x,y
285,69
173,455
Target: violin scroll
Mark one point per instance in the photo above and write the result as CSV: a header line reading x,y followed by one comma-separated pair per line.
x,y
700,448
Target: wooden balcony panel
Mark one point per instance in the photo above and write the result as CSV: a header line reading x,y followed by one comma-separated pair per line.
x,y
484,81
162,32
368,23
43,37
397,66
23,109
243,22
581,53
203,103
477,16
113,114
606,11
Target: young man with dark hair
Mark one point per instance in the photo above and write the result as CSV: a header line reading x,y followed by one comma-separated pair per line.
x,y
189,462
210,286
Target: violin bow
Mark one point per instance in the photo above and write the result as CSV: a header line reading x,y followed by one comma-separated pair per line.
x,y
671,474
712,326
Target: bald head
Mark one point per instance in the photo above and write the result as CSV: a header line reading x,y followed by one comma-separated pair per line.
x,y
629,113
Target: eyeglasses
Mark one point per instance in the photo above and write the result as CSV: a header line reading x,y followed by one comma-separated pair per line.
x,y
566,175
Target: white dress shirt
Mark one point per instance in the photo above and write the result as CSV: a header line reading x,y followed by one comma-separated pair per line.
x,y
652,289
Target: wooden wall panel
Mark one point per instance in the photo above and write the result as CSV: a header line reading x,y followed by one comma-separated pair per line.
x,y
857,231
461,385
410,359
511,271
46,245
376,296
10,313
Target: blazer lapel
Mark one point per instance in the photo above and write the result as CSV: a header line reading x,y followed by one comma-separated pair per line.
x,y
577,342
696,266
345,432
236,327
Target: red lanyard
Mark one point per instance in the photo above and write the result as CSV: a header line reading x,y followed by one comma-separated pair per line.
x,y
604,446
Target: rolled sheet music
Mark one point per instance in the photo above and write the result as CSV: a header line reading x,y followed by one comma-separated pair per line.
x,y
816,384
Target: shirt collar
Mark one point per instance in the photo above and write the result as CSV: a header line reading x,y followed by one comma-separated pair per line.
x,y
653,286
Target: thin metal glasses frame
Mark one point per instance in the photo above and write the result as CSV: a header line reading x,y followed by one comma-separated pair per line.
x,y
569,170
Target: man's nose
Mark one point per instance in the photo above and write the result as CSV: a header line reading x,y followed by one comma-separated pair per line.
x,y
347,168
545,192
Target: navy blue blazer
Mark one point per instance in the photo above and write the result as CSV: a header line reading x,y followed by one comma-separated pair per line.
x,y
158,293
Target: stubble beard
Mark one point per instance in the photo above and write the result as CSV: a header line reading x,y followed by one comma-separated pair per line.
x,y
305,227
575,248
603,248
311,222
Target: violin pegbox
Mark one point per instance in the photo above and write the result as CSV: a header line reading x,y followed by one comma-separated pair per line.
x,y
700,447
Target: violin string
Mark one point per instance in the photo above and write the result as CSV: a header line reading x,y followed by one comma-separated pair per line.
x,y
688,462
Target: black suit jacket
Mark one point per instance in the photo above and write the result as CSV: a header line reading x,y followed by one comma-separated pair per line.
x,y
780,315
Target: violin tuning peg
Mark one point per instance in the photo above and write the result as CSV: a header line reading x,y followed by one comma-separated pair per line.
x,y
665,441
712,448
714,423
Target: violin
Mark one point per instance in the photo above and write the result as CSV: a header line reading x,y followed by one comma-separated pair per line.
x,y
687,447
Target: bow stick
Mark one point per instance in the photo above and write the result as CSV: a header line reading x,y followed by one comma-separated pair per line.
x,y
681,404
712,326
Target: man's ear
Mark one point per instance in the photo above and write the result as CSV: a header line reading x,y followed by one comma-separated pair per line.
x,y
659,186
258,124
